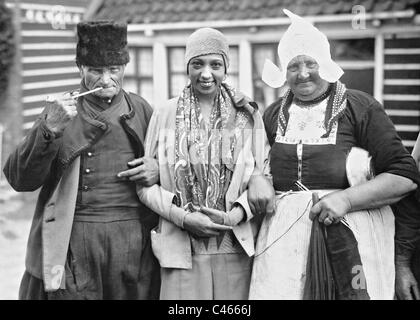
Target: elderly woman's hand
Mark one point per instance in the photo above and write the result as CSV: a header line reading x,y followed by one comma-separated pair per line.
x,y
241,99
261,195
331,208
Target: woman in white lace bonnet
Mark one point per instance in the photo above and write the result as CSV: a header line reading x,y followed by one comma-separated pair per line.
x,y
315,131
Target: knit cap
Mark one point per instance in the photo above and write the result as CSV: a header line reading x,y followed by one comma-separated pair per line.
x,y
206,41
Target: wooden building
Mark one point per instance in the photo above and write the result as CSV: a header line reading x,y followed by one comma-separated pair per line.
x,y
44,63
47,45
376,42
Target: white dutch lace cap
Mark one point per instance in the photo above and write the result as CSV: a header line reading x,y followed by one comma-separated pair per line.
x,y
301,38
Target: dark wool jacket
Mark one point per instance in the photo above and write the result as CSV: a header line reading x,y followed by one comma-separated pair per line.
x,y
41,161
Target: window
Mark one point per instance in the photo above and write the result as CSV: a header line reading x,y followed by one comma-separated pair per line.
x,y
139,72
178,74
177,71
233,71
264,95
356,58
352,49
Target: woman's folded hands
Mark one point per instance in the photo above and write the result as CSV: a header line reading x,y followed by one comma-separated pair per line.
x,y
209,222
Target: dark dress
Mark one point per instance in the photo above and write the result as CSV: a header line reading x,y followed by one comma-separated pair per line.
x,y
319,162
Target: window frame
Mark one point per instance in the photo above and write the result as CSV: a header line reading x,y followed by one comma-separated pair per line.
x,y
137,76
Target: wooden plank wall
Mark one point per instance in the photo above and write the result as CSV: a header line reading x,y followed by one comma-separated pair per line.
x,y
48,46
402,85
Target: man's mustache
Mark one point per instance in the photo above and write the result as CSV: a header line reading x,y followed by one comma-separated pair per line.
x,y
106,87
304,81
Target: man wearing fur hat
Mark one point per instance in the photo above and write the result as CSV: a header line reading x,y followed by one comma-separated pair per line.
x,y
90,236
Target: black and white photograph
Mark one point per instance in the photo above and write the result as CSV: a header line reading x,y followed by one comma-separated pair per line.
x,y
209,150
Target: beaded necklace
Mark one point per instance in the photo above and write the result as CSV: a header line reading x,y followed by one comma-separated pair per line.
x,y
335,108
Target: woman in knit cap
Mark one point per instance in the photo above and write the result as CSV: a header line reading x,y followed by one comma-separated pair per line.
x,y
317,131
205,144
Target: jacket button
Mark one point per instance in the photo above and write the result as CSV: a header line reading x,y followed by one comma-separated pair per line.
x,y
87,170
85,188
243,239
89,154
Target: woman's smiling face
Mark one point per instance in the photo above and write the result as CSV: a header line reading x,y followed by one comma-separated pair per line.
x,y
206,74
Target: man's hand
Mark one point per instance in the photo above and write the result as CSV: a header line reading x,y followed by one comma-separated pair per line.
x,y
406,287
241,99
232,218
61,110
145,171
201,225
331,208
261,195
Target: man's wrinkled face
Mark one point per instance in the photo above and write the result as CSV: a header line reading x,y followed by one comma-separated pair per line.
x,y
303,78
110,78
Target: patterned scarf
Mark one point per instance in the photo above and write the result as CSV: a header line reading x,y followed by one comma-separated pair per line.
x,y
204,153
335,108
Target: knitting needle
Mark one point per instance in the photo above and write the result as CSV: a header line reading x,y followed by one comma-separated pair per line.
x,y
301,186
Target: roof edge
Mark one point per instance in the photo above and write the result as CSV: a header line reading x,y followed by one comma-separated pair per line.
x,y
150,27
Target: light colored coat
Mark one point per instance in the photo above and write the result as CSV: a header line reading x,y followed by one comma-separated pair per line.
x,y
171,244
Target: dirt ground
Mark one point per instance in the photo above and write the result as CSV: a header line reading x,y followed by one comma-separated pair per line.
x,y
15,220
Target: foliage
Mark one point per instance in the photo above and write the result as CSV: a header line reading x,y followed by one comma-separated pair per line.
x,y
7,45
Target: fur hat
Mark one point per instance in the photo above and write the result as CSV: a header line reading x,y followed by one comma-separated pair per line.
x,y
101,43
206,41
